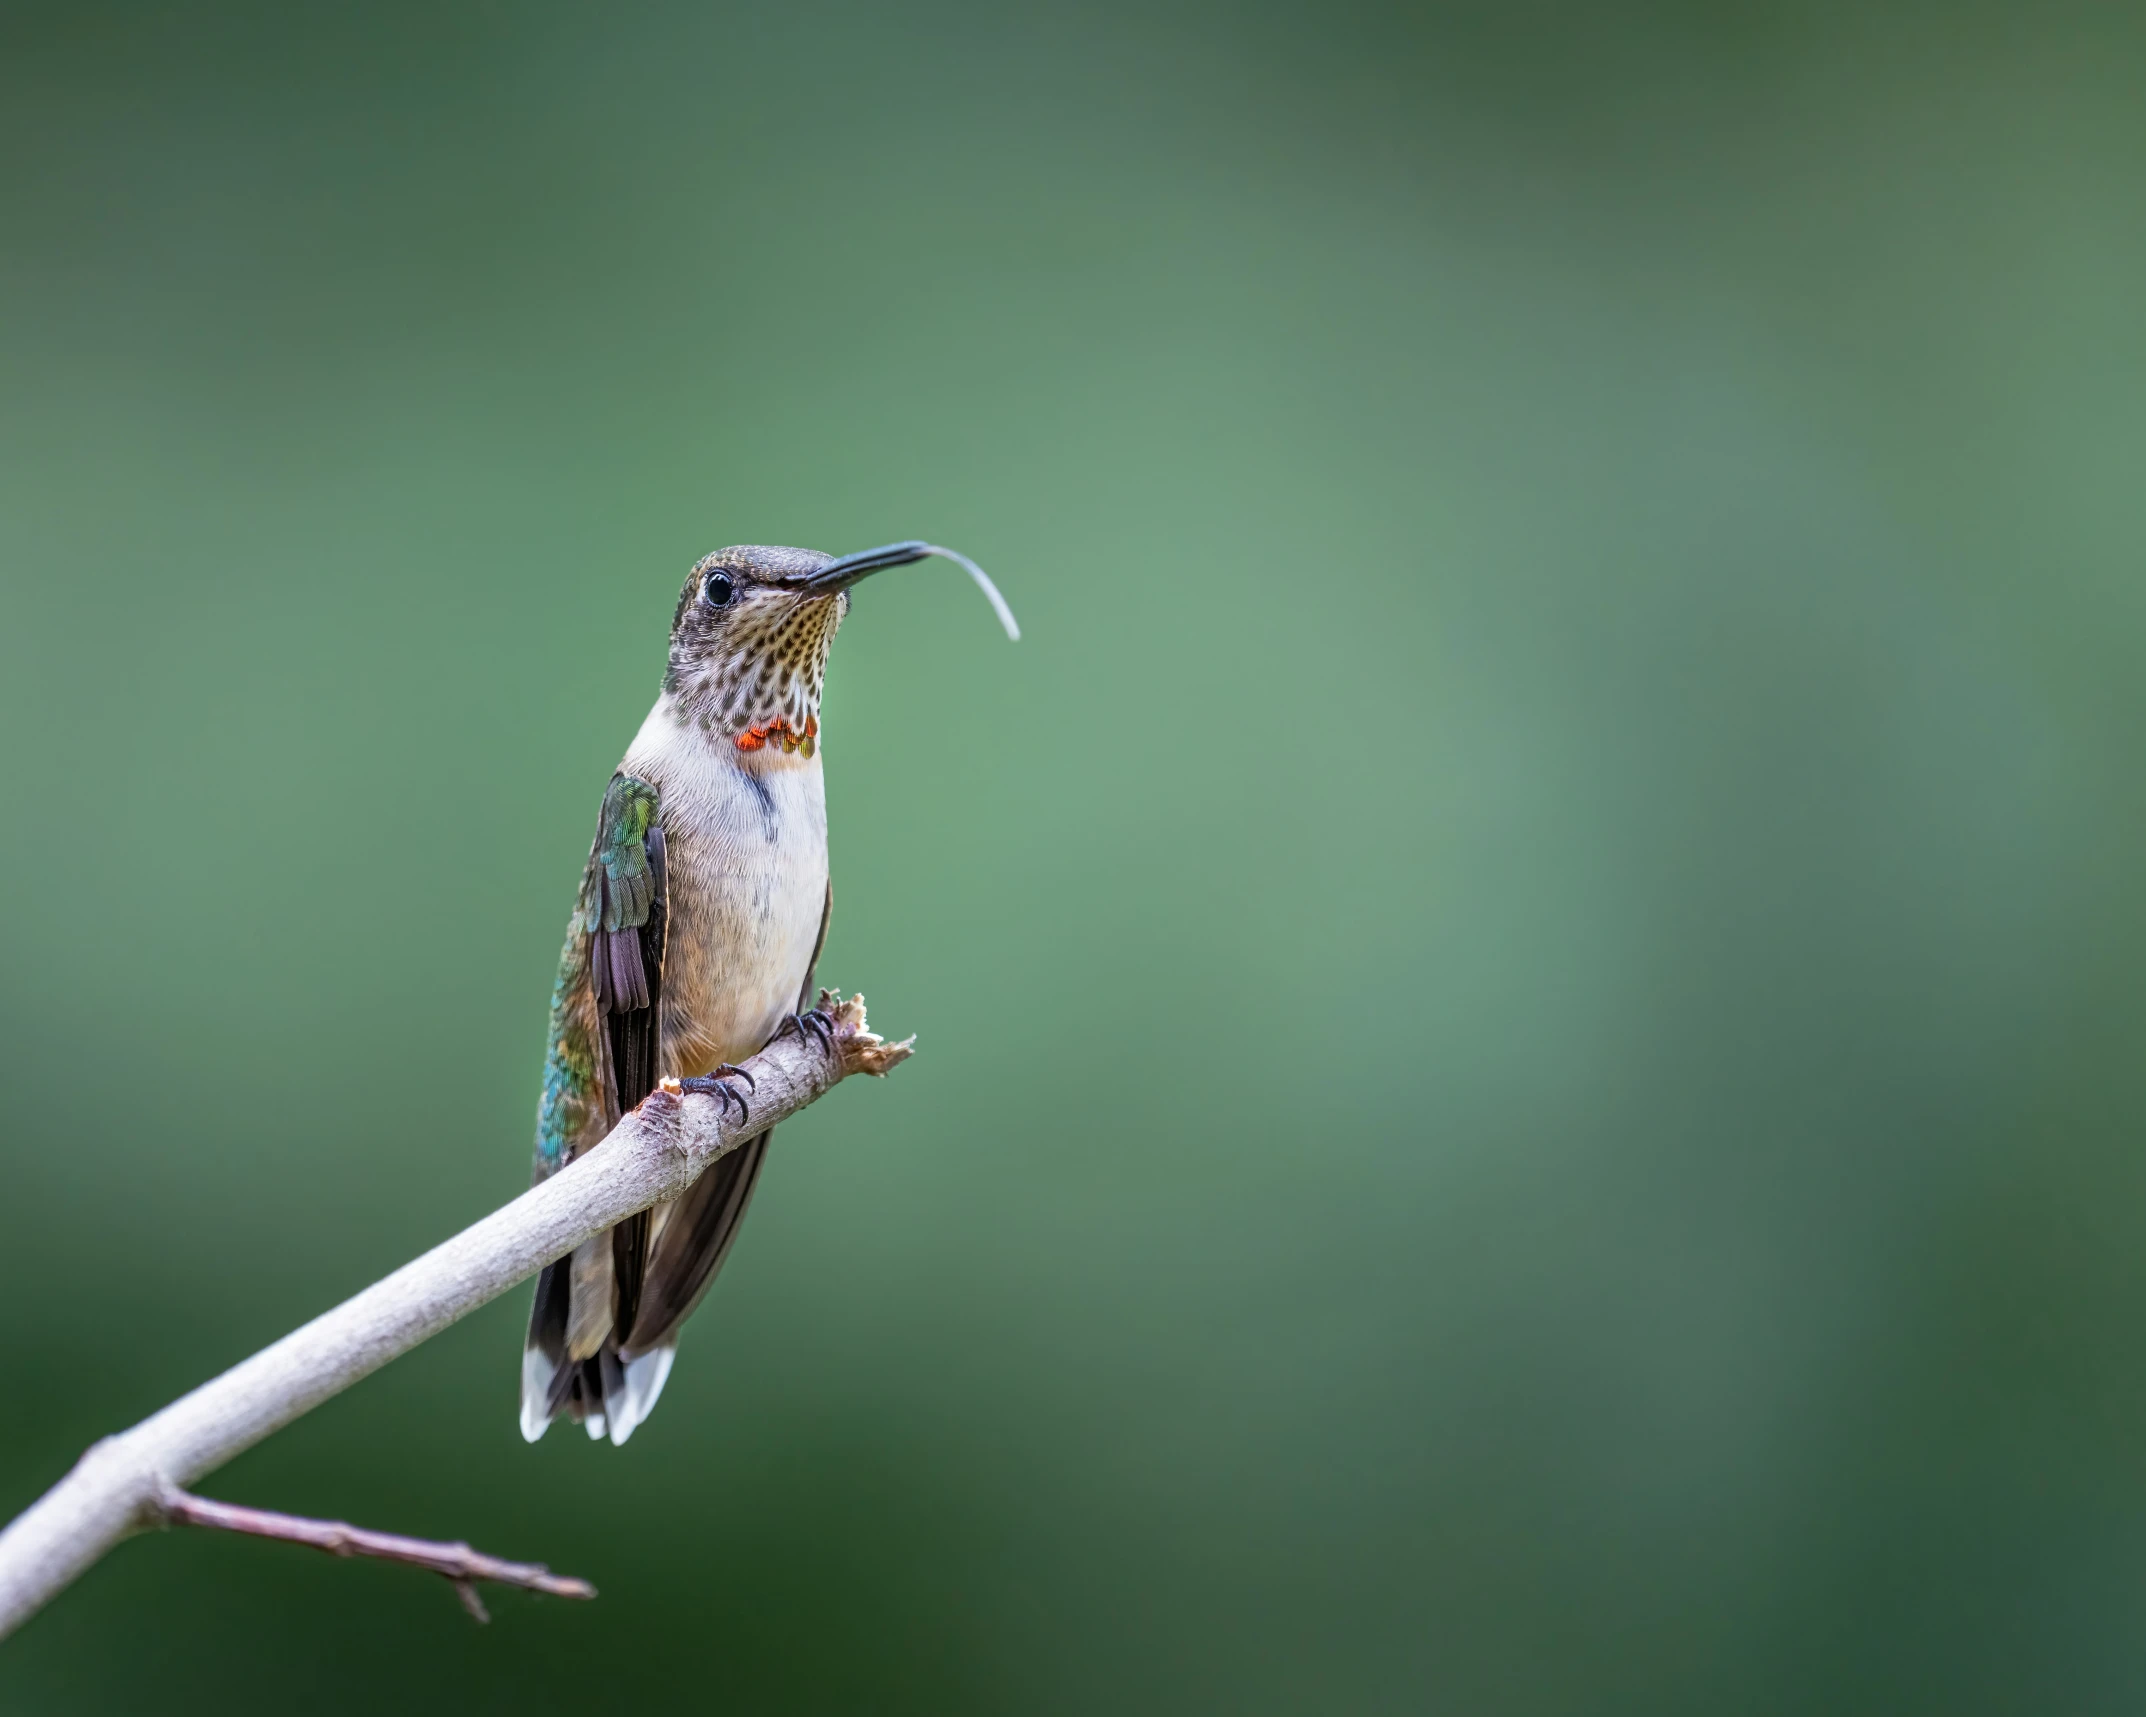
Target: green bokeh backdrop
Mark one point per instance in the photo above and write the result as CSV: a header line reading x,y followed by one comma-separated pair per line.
x,y
1531,1080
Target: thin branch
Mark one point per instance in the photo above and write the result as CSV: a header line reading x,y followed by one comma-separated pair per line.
x,y
658,1151
458,1562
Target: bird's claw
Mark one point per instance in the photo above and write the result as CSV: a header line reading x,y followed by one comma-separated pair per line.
x,y
814,1023
712,1085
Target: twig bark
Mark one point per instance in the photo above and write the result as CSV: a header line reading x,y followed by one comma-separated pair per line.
x,y
458,1562
120,1485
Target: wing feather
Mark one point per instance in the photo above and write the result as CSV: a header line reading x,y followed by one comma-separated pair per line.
x,y
605,1050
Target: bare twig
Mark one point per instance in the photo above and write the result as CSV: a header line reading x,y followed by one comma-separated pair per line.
x,y
458,1562
119,1486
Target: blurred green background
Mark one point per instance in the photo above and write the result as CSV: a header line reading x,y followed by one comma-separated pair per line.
x,y
1531,1079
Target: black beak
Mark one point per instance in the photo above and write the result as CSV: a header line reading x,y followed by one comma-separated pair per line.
x,y
851,567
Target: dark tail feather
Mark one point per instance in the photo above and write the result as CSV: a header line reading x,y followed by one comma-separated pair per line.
x,y
629,1259
697,1237
656,1289
544,1352
607,1393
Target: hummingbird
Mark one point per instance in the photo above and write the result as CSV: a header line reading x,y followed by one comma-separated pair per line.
x,y
701,916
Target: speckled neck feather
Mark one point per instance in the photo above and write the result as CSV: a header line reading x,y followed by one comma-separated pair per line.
x,y
761,683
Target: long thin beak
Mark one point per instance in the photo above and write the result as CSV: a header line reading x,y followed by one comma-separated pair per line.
x,y
851,567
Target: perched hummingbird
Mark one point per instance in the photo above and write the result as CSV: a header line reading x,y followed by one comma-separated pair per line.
x,y
701,916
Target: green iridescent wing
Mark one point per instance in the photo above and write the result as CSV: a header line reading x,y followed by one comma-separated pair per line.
x,y
606,1002
605,1043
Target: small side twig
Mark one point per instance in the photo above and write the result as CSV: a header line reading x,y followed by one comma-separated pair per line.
x,y
458,1563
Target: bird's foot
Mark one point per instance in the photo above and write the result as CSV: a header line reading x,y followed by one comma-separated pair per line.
x,y
714,1085
814,1024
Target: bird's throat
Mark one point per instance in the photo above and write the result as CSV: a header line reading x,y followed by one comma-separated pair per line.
x,y
779,732
760,686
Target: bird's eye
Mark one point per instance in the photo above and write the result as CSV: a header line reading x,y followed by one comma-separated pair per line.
x,y
719,589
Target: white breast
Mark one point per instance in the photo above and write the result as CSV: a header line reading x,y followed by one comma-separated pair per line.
x,y
746,851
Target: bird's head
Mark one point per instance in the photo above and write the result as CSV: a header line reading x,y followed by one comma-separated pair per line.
x,y
750,638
